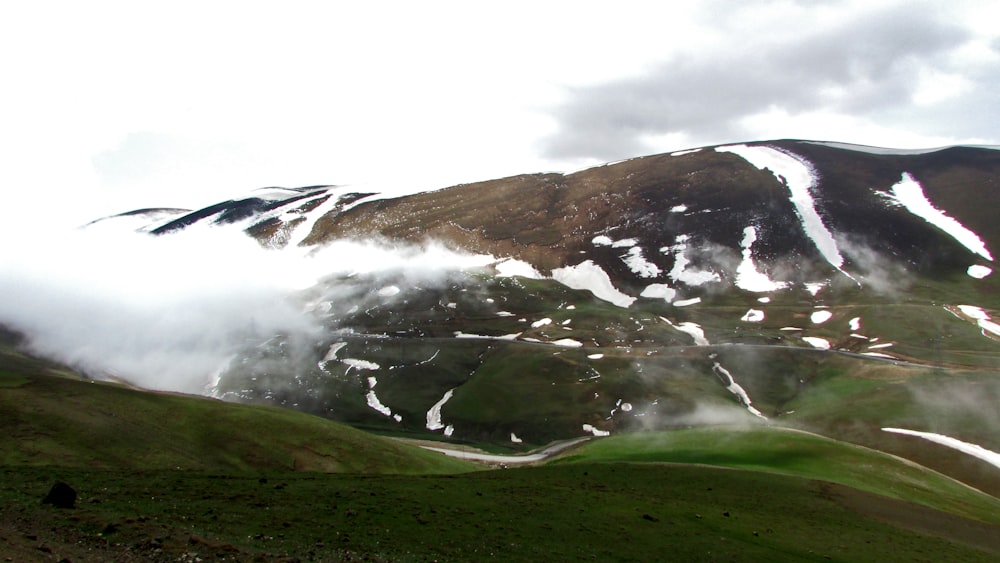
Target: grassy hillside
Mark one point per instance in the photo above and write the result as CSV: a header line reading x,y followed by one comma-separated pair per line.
x,y
796,453
54,418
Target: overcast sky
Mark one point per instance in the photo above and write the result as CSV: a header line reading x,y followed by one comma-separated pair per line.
x,y
110,106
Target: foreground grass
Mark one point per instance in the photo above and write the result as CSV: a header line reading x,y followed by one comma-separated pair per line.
x,y
565,512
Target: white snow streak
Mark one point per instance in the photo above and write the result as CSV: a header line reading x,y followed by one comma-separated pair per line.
x,y
372,399
692,329
982,319
910,194
687,302
434,414
975,450
736,389
361,364
541,322
747,275
800,177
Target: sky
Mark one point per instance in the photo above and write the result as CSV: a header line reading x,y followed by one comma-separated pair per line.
x,y
111,106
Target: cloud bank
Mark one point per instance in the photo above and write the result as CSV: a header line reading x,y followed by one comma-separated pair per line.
x,y
838,69
168,312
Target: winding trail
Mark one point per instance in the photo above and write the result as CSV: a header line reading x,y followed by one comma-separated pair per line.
x,y
540,455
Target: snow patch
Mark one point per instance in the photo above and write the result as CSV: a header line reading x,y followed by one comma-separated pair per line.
x,y
541,322
602,240
595,431
659,291
680,271
817,342
388,291
855,324
692,329
979,272
568,343
639,265
982,319
753,316
372,399
591,277
735,389
975,450
687,302
595,356
910,194
514,438
747,276
681,153
512,267
820,317
434,414
800,178
361,364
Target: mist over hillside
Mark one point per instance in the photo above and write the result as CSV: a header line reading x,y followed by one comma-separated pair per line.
x,y
737,283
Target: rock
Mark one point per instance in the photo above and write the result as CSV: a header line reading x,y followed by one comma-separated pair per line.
x,y
60,495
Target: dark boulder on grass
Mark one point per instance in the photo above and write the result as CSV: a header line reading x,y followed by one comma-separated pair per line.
x,y
60,495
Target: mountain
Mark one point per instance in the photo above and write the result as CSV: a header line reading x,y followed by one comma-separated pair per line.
x,y
837,288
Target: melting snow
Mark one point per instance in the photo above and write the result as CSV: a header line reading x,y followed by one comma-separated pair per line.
x,y
680,273
981,318
687,302
692,329
679,208
910,194
747,275
763,299
602,240
878,346
800,177
624,243
388,291
688,151
975,450
372,399
979,272
735,388
595,431
659,291
514,438
817,342
639,265
331,354
820,317
434,414
753,316
595,356
855,323
541,322
814,287
591,277
361,364
512,267
568,343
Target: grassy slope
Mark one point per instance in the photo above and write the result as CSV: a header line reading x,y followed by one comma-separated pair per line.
x,y
61,420
238,498
800,454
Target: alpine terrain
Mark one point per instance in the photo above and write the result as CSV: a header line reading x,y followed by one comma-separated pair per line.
x,y
812,309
